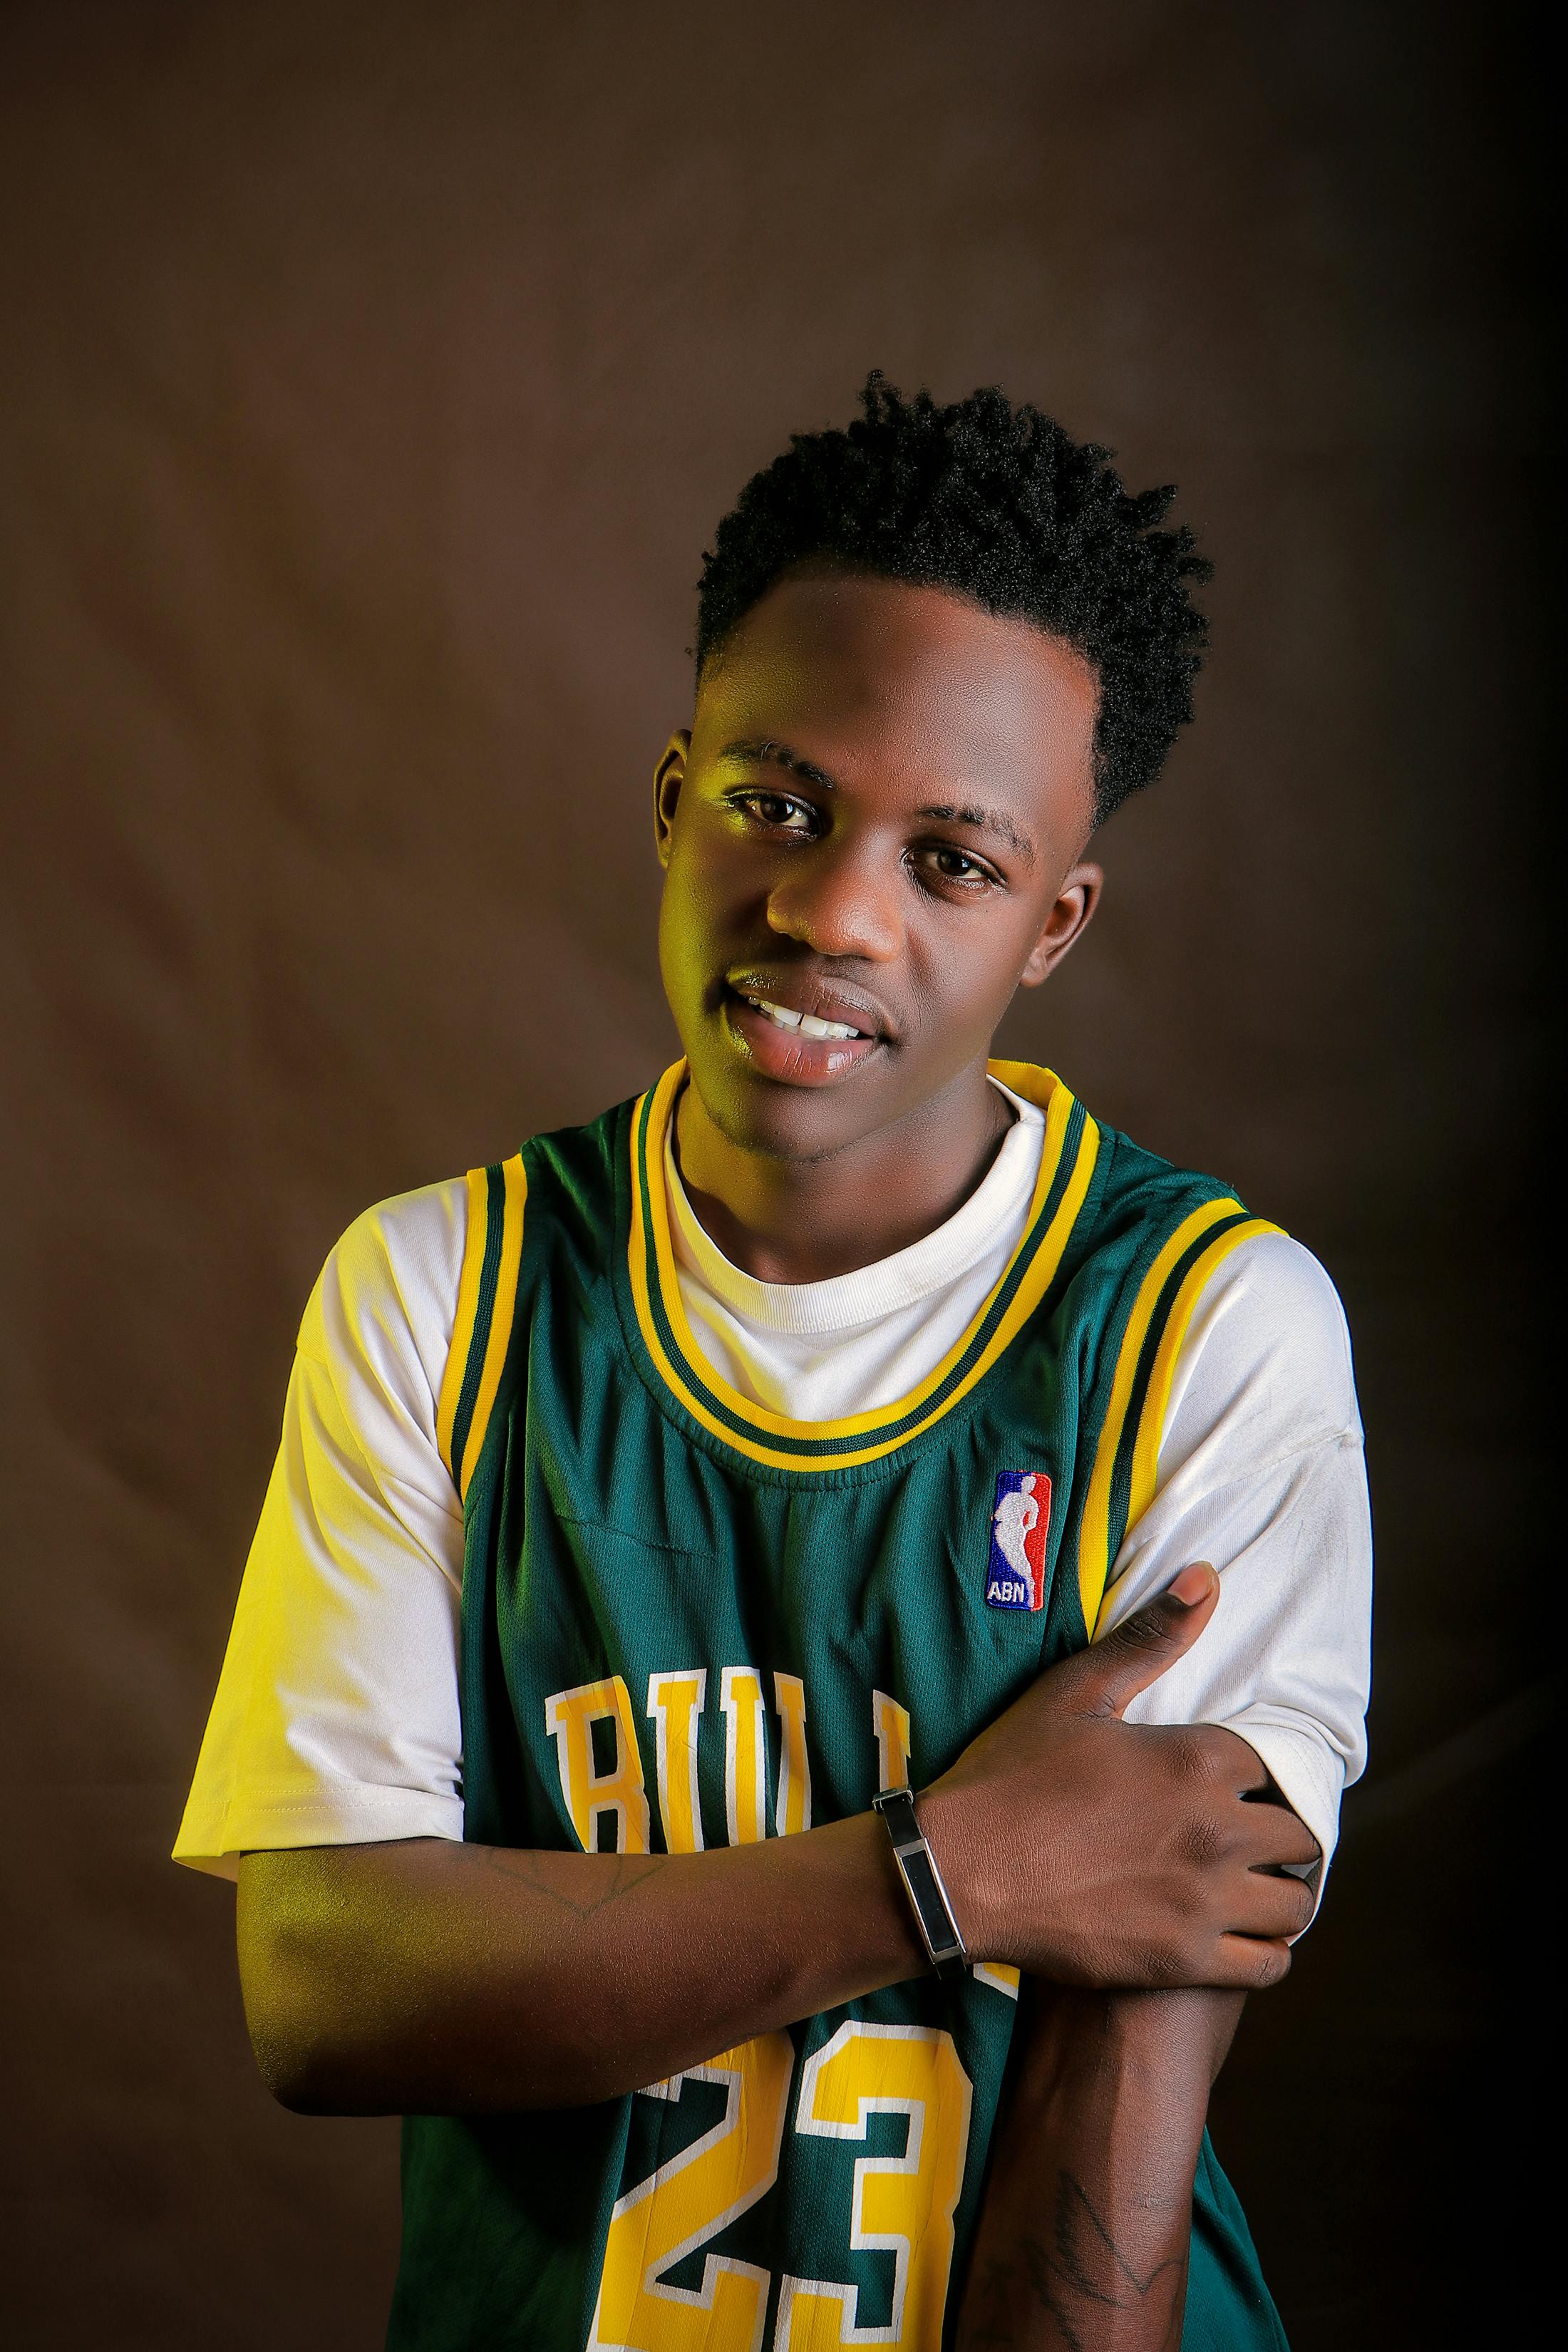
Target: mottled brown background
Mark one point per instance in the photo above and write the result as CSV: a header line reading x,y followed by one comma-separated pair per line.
x,y
372,377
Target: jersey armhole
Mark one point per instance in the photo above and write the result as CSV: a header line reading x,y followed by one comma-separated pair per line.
x,y
1126,1460
486,1302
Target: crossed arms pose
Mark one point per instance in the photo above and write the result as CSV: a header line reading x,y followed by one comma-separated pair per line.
x,y
424,1977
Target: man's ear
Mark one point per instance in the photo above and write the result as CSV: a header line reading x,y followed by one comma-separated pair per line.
x,y
1069,920
667,778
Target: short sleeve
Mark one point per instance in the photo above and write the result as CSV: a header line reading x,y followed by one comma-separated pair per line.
x,y
336,1718
1261,1472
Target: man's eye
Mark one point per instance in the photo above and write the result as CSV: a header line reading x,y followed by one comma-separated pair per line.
x,y
952,864
778,809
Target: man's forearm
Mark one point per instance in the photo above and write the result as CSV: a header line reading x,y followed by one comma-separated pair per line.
x,y
428,1977
432,1977
1083,2237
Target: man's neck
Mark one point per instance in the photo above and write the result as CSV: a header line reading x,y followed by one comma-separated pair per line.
x,y
807,1220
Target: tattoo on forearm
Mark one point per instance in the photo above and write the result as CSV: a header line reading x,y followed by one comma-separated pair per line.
x,y
626,1874
1079,2268
1087,2255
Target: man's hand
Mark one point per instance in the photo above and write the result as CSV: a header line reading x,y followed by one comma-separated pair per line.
x,y
1105,1854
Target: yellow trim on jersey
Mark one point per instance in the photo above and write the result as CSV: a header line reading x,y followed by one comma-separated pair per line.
x,y
1040,1087
515,1180
468,1308
1094,1534
1157,1397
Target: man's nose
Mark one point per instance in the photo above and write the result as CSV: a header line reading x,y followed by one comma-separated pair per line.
x,y
840,902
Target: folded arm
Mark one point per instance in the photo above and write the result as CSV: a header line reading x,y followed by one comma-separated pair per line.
x,y
1085,2230
429,1976
1083,2237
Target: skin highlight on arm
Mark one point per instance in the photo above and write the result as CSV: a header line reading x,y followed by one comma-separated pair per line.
x,y
428,1977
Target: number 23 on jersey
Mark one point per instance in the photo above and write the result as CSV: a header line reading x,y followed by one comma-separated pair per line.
x,y
901,2205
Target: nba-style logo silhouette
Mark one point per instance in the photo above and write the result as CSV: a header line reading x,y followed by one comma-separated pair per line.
x,y
1016,1572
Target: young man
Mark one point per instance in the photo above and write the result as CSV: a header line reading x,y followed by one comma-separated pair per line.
x,y
655,1500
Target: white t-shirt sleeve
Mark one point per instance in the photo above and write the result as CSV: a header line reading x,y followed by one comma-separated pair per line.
x,y
1261,1472
336,1718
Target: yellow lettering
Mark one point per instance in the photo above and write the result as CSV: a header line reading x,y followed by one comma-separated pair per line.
x,y
1000,1975
904,2205
745,1754
685,2204
675,1701
793,1811
569,1718
890,1722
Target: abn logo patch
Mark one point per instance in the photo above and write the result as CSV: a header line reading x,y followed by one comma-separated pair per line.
x,y
1016,1572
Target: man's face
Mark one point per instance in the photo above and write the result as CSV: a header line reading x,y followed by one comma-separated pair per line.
x,y
873,825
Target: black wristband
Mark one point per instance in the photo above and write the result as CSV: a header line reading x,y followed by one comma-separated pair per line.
x,y
922,1884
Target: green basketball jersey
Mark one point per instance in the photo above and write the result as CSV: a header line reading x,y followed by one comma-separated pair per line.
x,y
688,1621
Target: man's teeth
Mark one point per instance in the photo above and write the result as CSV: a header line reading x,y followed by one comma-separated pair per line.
x,y
806,1023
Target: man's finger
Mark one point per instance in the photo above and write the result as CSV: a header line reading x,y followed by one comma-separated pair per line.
x,y
1278,1836
1269,1907
1249,1963
1103,1677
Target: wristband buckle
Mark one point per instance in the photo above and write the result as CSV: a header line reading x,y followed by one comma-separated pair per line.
x,y
940,1932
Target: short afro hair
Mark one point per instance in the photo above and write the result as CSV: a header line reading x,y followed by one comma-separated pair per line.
x,y
997,503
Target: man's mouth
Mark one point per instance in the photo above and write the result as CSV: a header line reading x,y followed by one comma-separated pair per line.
x,y
795,1047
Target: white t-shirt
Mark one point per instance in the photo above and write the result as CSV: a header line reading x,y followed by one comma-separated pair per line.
x,y
336,1719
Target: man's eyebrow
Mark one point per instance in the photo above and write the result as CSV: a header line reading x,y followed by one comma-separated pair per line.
x,y
991,821
766,750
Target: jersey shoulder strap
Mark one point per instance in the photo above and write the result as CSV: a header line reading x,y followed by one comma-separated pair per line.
x,y
487,1304
1186,1225
566,1182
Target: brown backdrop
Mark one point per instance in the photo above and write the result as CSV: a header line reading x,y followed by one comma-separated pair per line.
x,y
373,377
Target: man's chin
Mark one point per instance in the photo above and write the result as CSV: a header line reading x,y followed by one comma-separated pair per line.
x,y
781,1120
